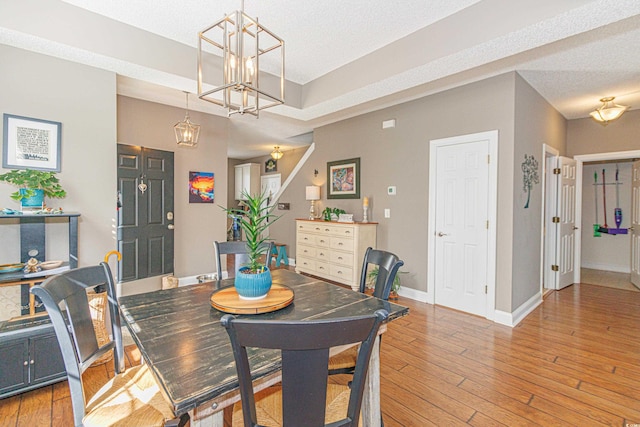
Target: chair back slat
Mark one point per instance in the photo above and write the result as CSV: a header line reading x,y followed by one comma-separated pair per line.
x,y
305,354
65,299
239,249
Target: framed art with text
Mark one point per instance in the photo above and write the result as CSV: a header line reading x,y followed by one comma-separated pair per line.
x,y
31,143
343,179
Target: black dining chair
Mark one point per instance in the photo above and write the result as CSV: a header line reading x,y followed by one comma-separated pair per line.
x,y
388,265
132,397
304,397
239,249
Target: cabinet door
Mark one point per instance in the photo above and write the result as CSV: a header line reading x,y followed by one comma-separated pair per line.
x,y
45,358
239,172
13,371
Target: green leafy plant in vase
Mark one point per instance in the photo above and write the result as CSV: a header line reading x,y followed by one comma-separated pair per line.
x,y
33,186
329,213
253,280
372,276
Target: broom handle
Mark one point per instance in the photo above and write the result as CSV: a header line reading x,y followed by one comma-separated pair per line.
x,y
595,189
604,199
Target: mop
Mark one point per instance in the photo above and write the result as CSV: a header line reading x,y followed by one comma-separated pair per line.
x,y
617,212
605,228
596,226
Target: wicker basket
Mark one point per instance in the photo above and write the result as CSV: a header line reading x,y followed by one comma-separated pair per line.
x,y
98,307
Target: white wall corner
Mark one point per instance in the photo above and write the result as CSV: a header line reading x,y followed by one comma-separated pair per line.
x,y
512,319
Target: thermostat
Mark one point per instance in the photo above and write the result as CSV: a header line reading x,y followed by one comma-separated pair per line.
x,y
391,191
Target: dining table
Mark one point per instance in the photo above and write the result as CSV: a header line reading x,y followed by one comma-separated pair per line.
x,y
180,338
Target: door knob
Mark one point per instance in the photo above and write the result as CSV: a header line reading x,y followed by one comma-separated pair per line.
x,y
171,226
575,228
440,234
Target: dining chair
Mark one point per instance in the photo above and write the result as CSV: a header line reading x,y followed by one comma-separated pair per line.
x,y
132,396
304,397
388,265
239,249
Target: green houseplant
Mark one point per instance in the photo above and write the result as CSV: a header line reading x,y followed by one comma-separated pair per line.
x,y
254,279
372,275
33,186
328,212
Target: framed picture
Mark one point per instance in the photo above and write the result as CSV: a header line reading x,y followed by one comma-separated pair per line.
x,y
31,143
201,187
343,179
271,165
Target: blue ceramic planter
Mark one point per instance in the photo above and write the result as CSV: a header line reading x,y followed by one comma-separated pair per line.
x,y
252,286
33,202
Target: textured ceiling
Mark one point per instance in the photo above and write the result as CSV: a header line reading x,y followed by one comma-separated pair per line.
x,y
344,58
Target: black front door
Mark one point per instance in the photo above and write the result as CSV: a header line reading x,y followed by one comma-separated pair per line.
x,y
145,218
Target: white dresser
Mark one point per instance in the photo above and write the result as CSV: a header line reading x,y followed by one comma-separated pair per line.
x,y
333,250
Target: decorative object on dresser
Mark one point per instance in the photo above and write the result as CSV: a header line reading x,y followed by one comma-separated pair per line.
x,y
365,208
333,250
254,280
312,193
332,214
343,179
33,187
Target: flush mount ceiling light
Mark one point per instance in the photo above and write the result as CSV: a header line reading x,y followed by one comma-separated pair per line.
x,y
608,111
276,154
242,42
186,132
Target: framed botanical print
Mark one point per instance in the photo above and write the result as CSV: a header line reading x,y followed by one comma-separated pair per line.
x,y
343,179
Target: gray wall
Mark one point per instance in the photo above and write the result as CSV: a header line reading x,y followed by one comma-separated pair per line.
x,y
536,123
586,136
83,99
197,224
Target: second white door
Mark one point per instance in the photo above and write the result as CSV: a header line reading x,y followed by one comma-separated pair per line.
x,y
461,225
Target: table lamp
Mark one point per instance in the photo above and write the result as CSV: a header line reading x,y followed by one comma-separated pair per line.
x,y
313,194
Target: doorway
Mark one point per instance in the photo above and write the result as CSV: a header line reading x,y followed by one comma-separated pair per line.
x,y
580,194
462,222
145,215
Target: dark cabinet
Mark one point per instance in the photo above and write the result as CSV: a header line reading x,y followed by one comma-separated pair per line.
x,y
29,361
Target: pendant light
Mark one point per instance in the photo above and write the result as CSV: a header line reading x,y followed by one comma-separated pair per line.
x,y
276,154
608,111
186,132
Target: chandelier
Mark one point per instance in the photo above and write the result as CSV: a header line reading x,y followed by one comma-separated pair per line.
x,y
243,43
186,132
608,111
276,154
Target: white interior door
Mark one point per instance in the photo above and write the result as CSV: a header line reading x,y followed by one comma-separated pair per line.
x,y
461,226
270,185
634,230
566,223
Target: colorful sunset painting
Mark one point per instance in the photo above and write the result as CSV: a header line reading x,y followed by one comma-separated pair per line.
x,y
201,187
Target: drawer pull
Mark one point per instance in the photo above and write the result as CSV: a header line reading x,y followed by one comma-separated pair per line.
x,y
339,272
327,229
321,268
321,241
347,232
340,244
306,238
339,257
317,228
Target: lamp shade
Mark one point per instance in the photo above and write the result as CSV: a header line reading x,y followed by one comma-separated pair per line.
x,y
608,111
313,192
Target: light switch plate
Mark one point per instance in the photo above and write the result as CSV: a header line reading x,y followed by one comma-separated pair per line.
x,y
387,213
391,190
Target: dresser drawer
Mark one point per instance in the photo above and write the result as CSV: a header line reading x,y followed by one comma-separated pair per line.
x,y
341,243
339,230
323,254
306,263
341,273
306,251
343,258
306,239
323,268
310,227
323,241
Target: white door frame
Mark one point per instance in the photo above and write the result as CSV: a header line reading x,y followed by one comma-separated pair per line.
x,y
492,137
614,155
549,204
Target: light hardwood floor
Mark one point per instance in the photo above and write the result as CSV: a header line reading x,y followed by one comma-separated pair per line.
x,y
574,361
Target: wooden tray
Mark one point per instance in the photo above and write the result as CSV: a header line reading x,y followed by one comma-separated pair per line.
x,y
227,300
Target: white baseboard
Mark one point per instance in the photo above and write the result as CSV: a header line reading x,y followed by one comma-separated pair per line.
x,y
413,294
512,319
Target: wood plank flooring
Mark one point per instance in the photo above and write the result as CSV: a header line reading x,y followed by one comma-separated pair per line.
x,y
574,361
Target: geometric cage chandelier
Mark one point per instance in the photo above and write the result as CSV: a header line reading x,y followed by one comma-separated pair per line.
x,y
608,111
242,43
186,132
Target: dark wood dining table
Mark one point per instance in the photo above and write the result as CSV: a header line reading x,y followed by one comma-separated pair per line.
x,y
180,337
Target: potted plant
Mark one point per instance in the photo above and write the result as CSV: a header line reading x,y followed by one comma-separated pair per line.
x,y
33,186
253,280
395,286
331,214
